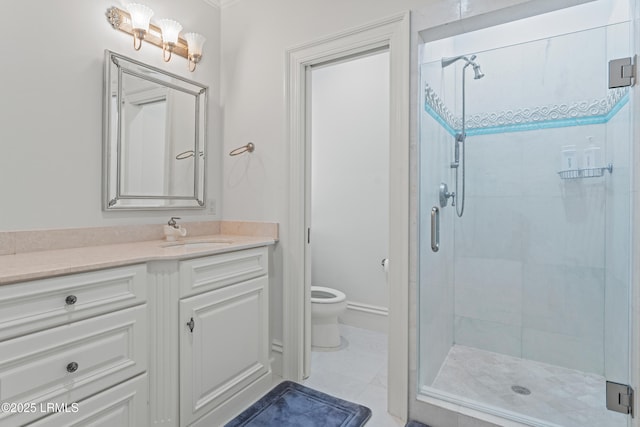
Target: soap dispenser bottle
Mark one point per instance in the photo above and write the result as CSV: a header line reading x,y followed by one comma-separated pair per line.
x,y
591,157
569,160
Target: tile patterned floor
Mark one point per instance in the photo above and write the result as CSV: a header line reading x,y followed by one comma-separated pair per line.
x,y
357,373
565,397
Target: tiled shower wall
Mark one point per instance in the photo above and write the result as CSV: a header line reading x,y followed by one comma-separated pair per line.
x,y
529,253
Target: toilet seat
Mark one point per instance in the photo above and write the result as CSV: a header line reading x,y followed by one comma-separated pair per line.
x,y
325,295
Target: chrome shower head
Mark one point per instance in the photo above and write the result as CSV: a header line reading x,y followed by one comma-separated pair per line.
x,y
477,71
445,62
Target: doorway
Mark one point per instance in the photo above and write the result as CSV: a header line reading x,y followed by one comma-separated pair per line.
x,y
349,191
392,33
348,199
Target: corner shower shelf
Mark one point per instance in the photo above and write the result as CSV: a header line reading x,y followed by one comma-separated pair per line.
x,y
585,173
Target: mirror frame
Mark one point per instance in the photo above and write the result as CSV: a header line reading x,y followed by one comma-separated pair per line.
x,y
115,65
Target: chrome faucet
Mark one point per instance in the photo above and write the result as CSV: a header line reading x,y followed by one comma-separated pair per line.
x,y
172,222
445,195
172,230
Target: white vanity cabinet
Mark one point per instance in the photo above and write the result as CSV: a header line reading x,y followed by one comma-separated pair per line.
x,y
224,338
210,337
67,338
175,342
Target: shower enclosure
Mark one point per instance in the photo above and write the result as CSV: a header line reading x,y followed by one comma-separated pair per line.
x,y
524,304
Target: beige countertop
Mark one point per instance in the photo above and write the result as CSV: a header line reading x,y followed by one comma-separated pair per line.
x,y
42,264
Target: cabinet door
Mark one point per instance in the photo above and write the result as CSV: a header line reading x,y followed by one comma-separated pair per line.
x,y
228,347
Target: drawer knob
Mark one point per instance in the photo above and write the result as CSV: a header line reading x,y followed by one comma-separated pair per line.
x,y
71,299
72,367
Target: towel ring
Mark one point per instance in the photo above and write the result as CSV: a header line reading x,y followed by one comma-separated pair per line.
x,y
187,154
250,147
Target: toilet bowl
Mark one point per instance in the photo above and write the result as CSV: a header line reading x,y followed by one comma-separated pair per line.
x,y
326,305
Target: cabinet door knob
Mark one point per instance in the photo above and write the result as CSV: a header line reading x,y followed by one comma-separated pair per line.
x,y
191,324
71,299
72,367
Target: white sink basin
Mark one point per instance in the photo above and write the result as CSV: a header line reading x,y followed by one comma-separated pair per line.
x,y
198,244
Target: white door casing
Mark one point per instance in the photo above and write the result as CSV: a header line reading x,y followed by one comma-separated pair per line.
x,y
392,33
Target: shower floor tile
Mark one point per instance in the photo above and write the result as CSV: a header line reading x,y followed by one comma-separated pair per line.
x,y
559,396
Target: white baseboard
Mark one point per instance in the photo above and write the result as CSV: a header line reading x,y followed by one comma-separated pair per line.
x,y
276,357
366,316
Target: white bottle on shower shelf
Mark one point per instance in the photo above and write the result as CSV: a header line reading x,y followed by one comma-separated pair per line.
x,y
569,160
591,155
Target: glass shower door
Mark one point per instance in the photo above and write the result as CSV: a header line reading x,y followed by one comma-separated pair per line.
x,y
524,309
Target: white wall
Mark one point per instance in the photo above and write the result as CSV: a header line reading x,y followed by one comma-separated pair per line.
x,y
51,108
350,178
592,14
256,35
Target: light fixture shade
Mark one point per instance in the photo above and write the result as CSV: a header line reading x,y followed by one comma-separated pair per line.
x,y
170,30
195,42
140,16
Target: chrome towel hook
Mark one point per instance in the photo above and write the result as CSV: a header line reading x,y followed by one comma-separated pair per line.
x,y
250,147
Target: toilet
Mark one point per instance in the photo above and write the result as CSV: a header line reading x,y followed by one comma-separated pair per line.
x,y
326,305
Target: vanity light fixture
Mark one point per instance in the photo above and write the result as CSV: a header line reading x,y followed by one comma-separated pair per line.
x,y
195,42
136,21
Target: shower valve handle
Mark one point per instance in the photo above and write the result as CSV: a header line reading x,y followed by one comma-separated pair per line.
x,y
446,195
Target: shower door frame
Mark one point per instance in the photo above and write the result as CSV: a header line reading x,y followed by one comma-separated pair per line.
x,y
428,405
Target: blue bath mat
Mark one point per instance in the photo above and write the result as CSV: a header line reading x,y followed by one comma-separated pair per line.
x,y
293,405
415,424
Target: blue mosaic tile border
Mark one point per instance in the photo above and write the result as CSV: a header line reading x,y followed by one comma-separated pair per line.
x,y
581,113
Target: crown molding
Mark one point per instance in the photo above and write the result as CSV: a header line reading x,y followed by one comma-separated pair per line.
x,y
220,4
225,3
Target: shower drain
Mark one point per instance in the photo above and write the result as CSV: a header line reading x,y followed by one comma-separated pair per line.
x,y
520,390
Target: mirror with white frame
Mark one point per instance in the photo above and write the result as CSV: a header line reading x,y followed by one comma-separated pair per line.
x,y
154,137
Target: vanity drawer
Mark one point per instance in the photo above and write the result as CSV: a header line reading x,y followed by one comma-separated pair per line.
x,y
71,362
124,405
31,306
213,272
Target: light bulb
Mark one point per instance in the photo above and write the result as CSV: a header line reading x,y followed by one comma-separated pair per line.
x,y
170,31
195,42
140,17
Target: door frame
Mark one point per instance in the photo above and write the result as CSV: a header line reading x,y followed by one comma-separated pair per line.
x,y
393,34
